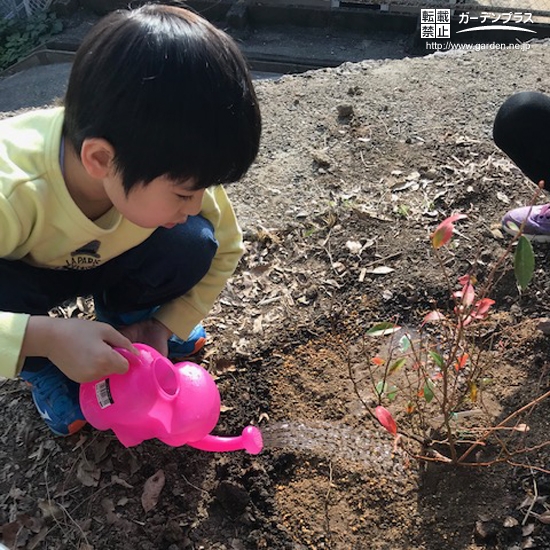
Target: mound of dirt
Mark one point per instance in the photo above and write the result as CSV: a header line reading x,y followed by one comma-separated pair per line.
x,y
357,167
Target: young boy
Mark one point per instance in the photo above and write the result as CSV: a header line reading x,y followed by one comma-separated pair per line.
x,y
521,131
118,195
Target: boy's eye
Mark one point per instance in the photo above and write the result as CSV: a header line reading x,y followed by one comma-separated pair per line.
x,y
184,197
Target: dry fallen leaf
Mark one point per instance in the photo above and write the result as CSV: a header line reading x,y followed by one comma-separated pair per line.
x,y
497,233
510,521
151,490
50,510
354,247
521,428
257,326
503,198
544,517
88,474
412,185
38,539
381,270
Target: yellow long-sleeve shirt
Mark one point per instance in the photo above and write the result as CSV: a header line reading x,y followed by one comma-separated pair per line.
x,y
40,224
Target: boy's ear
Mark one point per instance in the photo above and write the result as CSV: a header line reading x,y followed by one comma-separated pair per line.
x,y
97,156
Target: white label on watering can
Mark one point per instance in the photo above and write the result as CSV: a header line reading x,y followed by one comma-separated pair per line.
x,y
103,394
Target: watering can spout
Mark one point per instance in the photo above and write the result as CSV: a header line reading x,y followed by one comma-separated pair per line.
x,y
250,440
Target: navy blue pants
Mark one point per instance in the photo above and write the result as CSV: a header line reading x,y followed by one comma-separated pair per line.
x,y
521,130
166,265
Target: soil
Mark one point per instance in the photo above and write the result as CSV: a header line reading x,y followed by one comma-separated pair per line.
x,y
358,165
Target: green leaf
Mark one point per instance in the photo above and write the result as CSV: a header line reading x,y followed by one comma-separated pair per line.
x,y
397,365
380,388
438,360
404,343
428,391
383,329
524,262
391,393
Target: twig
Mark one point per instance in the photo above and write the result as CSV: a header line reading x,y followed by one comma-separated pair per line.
x,y
194,486
516,238
390,257
537,468
468,451
65,512
327,516
533,501
385,126
368,409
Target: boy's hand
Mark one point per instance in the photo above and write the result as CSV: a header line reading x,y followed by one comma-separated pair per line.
x,y
82,349
150,332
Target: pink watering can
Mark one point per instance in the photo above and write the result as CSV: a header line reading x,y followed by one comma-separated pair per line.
x,y
178,404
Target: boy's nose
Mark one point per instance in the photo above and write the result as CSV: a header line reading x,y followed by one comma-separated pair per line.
x,y
194,209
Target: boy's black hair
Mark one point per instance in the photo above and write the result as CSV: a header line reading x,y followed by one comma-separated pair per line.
x,y
170,92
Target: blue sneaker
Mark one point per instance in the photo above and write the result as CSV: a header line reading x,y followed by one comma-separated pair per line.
x,y
57,399
180,349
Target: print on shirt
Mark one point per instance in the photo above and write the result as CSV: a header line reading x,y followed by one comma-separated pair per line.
x,y
85,257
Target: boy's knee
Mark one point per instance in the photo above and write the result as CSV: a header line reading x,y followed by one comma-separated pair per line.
x,y
519,109
185,248
206,231
199,233
167,265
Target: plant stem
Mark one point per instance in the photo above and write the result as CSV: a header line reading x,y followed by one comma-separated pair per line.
x,y
506,253
502,424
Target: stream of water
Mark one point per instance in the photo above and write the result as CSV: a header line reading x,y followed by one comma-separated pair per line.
x,y
334,440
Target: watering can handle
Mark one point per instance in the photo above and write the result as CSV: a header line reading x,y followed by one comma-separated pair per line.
x,y
132,358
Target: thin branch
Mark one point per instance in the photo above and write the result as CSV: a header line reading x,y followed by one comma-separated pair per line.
x,y
503,423
534,500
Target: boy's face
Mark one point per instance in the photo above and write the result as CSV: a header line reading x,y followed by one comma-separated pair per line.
x,y
160,203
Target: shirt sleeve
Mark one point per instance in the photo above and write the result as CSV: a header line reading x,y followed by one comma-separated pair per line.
x,y
14,229
184,313
17,215
12,332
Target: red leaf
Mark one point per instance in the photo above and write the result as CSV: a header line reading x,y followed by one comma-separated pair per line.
x,y
442,235
482,308
462,360
433,317
467,294
444,231
386,419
